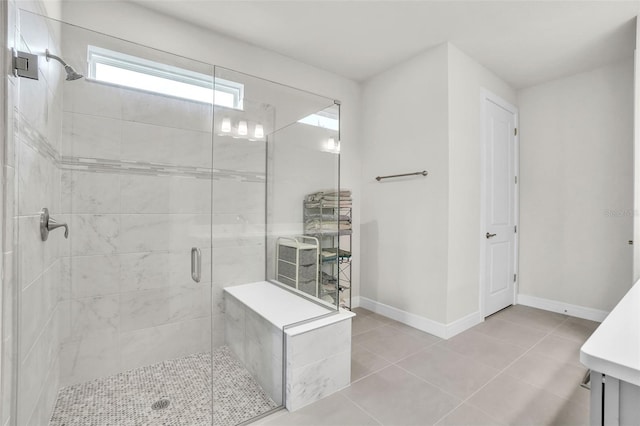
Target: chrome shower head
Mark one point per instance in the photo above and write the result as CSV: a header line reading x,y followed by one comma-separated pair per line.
x,y
71,73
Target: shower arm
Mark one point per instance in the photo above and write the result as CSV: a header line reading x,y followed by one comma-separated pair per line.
x,y
71,73
57,58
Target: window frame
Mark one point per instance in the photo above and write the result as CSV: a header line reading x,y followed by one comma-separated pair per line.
x,y
98,55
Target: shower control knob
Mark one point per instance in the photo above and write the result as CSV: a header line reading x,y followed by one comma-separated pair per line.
x,y
47,224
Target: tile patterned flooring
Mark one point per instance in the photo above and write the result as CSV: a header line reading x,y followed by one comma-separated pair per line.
x,y
520,367
126,398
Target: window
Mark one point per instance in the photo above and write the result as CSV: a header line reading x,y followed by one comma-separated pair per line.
x,y
325,119
118,68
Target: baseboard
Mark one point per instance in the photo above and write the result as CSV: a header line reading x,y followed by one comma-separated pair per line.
x,y
444,331
562,308
464,323
355,302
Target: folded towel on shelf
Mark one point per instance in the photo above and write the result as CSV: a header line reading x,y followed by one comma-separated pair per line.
x,y
330,253
326,216
327,279
344,195
327,226
336,199
325,204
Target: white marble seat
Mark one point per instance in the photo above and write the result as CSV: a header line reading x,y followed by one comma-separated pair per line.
x,y
261,318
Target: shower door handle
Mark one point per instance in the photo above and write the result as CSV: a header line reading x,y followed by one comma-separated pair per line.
x,y
196,264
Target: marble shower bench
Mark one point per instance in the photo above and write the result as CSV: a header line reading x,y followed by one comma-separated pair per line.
x,y
263,321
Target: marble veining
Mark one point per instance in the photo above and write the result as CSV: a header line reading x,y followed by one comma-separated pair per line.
x,y
81,160
105,165
32,137
312,382
94,234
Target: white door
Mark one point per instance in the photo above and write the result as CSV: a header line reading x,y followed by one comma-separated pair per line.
x,y
499,234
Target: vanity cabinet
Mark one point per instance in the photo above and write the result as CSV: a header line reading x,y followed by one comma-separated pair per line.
x,y
613,401
613,355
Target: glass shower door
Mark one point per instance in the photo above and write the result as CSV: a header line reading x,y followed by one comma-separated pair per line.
x,y
115,321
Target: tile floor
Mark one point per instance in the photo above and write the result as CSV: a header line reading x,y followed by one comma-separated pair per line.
x,y
520,367
126,398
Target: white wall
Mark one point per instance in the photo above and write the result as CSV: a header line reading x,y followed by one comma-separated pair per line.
x,y
466,80
576,193
636,159
405,221
422,235
135,23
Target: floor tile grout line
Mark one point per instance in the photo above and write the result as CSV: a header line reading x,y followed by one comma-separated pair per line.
x,y
373,372
371,329
548,333
544,330
417,351
460,404
465,401
430,345
428,382
567,319
462,399
512,363
389,324
514,322
362,408
496,421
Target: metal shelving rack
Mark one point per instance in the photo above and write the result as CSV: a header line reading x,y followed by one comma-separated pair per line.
x,y
334,278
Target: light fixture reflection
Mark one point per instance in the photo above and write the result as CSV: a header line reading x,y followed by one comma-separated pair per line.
x,y
225,127
242,128
258,132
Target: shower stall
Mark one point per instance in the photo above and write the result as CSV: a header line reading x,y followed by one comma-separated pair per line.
x,y
175,179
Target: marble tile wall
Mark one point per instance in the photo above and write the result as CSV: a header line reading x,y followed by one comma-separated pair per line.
x,y
137,185
257,344
33,288
318,363
135,213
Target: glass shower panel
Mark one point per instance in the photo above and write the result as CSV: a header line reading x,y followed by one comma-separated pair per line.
x,y
248,352
115,321
262,156
303,203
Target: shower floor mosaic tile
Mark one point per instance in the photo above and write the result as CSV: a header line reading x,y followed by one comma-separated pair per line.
x,y
126,398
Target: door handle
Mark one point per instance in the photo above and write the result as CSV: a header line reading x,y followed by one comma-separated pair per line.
x,y
196,264
490,235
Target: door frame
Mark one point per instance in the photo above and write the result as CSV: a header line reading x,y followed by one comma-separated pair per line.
x,y
487,96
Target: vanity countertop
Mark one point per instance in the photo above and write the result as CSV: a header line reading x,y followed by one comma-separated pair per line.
x,y
614,348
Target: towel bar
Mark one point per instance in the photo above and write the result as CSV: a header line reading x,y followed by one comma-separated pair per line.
x,y
423,173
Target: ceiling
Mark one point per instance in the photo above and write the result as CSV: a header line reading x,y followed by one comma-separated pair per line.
x,y
524,42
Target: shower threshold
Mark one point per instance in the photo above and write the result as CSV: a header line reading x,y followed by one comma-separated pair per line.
x,y
174,393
